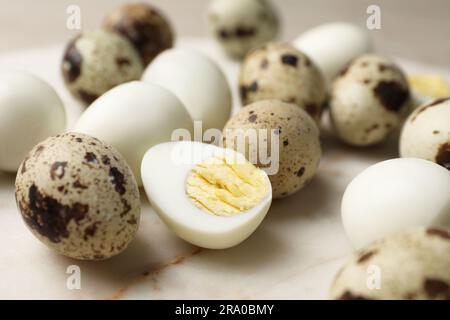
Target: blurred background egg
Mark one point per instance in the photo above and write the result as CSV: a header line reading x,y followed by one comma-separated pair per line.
x,y
144,26
209,196
30,111
197,81
332,45
241,25
133,117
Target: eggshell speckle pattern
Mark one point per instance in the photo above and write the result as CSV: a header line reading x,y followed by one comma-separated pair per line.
x,y
279,71
144,26
413,264
97,61
369,99
299,145
242,25
78,196
426,133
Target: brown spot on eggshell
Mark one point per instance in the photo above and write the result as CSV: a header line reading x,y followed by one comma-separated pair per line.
x,y
300,172
78,185
48,216
365,256
244,90
121,62
439,233
90,157
252,118
106,160
443,155
391,95
348,295
86,96
244,32
57,169
264,63
117,179
90,231
435,131
289,59
72,62
436,288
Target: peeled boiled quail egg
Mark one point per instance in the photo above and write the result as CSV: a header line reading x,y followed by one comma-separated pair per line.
x,y
393,195
97,61
30,111
332,45
242,25
133,117
197,81
369,100
78,196
279,71
413,264
426,133
209,196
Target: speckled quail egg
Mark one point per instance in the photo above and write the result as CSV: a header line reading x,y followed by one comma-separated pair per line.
x,y
242,25
30,111
426,133
413,264
333,45
369,100
395,194
209,196
279,71
279,137
144,26
97,61
197,81
134,116
78,196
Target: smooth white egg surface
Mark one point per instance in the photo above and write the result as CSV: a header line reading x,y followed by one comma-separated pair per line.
x,y
30,111
133,117
197,81
333,45
221,207
393,195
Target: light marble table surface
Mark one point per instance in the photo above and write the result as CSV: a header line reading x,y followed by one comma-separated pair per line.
x,y
294,254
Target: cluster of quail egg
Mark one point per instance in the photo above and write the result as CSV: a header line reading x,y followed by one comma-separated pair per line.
x,y
78,192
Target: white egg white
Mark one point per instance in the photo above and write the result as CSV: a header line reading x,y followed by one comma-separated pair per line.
x,y
197,81
333,45
394,195
164,171
133,117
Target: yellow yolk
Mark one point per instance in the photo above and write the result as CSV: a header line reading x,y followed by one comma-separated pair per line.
x,y
224,186
429,85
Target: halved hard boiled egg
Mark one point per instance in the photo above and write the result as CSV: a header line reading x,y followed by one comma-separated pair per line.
x,y
209,196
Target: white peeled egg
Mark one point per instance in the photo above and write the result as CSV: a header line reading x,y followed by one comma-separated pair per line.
x,y
165,170
132,117
394,195
30,111
333,45
197,81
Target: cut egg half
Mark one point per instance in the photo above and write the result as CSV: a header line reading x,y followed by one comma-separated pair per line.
x,y
209,196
